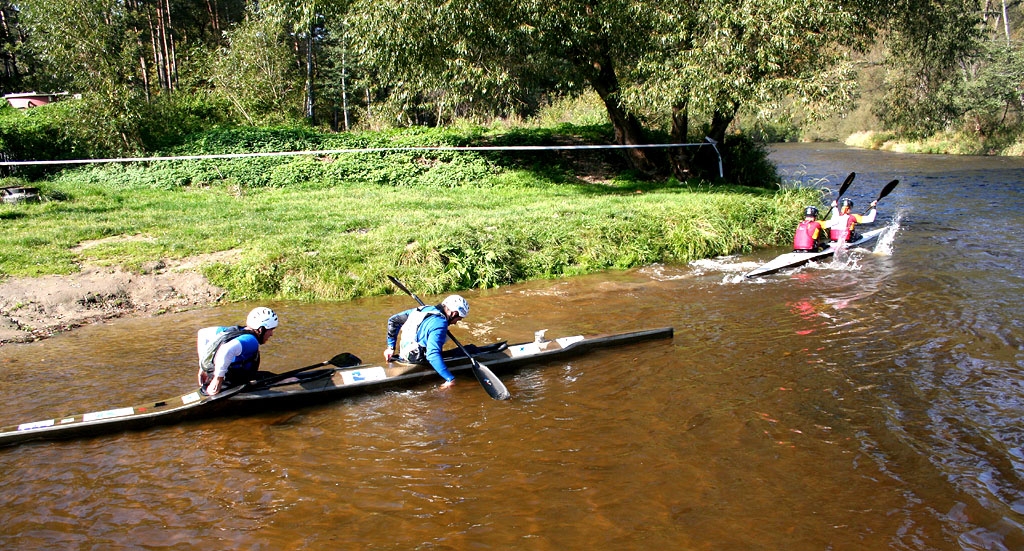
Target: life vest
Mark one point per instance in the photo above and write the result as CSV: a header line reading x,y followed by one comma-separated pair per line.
x,y
804,239
844,230
409,343
251,363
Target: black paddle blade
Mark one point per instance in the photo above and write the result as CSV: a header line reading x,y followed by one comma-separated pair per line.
x,y
887,189
493,385
345,360
846,183
842,190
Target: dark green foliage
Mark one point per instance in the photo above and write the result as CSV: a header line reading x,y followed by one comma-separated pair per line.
x,y
746,162
36,134
166,122
248,139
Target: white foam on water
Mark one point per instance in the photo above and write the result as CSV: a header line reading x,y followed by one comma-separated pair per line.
x,y
885,242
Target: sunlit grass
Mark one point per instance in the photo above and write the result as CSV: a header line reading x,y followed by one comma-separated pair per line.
x,y
333,228
339,243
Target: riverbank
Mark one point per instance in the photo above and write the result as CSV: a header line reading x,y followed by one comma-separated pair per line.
x,y
66,280
33,308
145,238
102,252
950,143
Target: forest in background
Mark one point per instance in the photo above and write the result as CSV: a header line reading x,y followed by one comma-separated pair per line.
x,y
151,72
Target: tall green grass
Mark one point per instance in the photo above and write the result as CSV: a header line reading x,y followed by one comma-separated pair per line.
x,y
332,227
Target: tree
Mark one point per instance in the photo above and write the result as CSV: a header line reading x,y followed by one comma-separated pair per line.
x,y
928,46
257,69
12,39
119,54
691,64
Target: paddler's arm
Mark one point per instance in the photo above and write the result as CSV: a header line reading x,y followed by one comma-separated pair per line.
x,y
224,357
395,324
869,216
435,343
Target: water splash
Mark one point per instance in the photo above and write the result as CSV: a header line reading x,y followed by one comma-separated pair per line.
x,y
884,245
846,258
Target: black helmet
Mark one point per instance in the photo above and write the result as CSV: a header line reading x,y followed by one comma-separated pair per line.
x,y
846,202
811,211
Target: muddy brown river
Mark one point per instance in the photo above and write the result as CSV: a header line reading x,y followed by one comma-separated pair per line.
x,y
870,403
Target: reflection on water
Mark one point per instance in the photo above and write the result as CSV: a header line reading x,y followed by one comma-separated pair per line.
x,y
874,405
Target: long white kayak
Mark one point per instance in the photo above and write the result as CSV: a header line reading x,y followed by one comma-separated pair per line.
x,y
794,259
341,378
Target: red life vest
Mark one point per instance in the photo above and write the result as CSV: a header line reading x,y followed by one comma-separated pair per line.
x,y
804,239
839,232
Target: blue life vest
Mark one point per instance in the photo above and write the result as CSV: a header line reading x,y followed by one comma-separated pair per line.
x,y
248,360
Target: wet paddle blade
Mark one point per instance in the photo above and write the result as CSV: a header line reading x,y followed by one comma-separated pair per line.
x,y
887,189
846,183
842,190
493,385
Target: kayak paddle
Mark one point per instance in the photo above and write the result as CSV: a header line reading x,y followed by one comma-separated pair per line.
x,y
887,190
842,190
340,360
492,384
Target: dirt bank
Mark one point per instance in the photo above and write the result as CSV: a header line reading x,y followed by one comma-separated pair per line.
x,y
36,308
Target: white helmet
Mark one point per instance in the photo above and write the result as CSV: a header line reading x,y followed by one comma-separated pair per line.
x,y
456,304
261,317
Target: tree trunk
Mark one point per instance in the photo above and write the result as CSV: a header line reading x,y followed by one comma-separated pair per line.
x,y
211,8
172,58
156,50
720,122
681,158
628,130
309,76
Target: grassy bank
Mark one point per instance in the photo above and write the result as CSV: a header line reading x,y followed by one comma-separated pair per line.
x,y
332,228
948,143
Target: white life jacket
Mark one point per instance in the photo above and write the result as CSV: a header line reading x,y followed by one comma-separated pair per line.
x,y
408,343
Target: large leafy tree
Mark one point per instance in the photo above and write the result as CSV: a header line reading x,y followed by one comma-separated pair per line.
x,y
257,69
693,64
967,78
119,48
118,54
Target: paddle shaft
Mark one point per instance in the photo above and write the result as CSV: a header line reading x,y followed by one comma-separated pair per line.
x,y
341,360
491,383
336,360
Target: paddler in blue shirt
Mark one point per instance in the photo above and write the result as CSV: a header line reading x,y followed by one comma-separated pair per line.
x,y
232,354
423,332
809,232
842,223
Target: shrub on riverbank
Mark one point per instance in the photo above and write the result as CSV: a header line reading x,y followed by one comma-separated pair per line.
x,y
946,143
331,227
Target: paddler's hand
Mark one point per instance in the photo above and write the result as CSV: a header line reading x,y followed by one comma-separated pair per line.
x,y
388,354
214,387
448,384
873,203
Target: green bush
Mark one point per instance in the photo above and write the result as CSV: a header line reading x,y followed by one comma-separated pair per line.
x,y
745,162
167,121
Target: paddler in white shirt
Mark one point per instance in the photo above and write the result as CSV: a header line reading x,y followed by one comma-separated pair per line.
x,y
842,223
230,356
